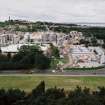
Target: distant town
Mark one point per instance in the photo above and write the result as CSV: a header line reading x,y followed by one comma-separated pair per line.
x,y
78,47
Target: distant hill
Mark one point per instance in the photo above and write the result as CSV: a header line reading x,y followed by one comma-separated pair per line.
x,y
28,26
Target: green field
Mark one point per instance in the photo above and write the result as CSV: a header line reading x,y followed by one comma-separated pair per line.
x,y
29,82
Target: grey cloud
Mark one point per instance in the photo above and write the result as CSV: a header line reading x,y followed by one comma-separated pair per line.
x,y
54,10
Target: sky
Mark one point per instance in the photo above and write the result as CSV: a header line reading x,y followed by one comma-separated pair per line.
x,y
63,11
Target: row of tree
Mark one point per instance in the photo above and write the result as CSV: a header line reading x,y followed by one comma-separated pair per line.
x,y
52,96
27,57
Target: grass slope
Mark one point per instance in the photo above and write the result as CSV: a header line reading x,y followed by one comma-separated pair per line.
x,y
29,82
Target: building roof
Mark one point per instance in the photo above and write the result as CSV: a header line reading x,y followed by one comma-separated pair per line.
x,y
10,48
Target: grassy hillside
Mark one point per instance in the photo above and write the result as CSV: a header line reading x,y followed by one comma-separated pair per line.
x,y
29,82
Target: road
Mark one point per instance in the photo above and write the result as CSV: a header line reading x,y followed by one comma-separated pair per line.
x,y
60,75
49,73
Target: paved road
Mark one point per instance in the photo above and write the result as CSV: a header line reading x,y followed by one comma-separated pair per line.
x,y
60,75
49,73
53,74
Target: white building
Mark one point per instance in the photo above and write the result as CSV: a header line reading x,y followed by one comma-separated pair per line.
x,y
87,57
7,39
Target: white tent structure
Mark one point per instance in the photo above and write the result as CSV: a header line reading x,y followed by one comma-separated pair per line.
x,y
87,57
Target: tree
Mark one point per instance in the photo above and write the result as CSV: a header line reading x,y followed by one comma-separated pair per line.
x,y
82,97
11,96
54,51
94,41
39,90
17,28
33,56
55,93
14,95
9,56
2,97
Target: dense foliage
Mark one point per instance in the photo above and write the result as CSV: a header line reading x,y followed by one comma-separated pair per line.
x,y
53,96
27,57
54,51
98,32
